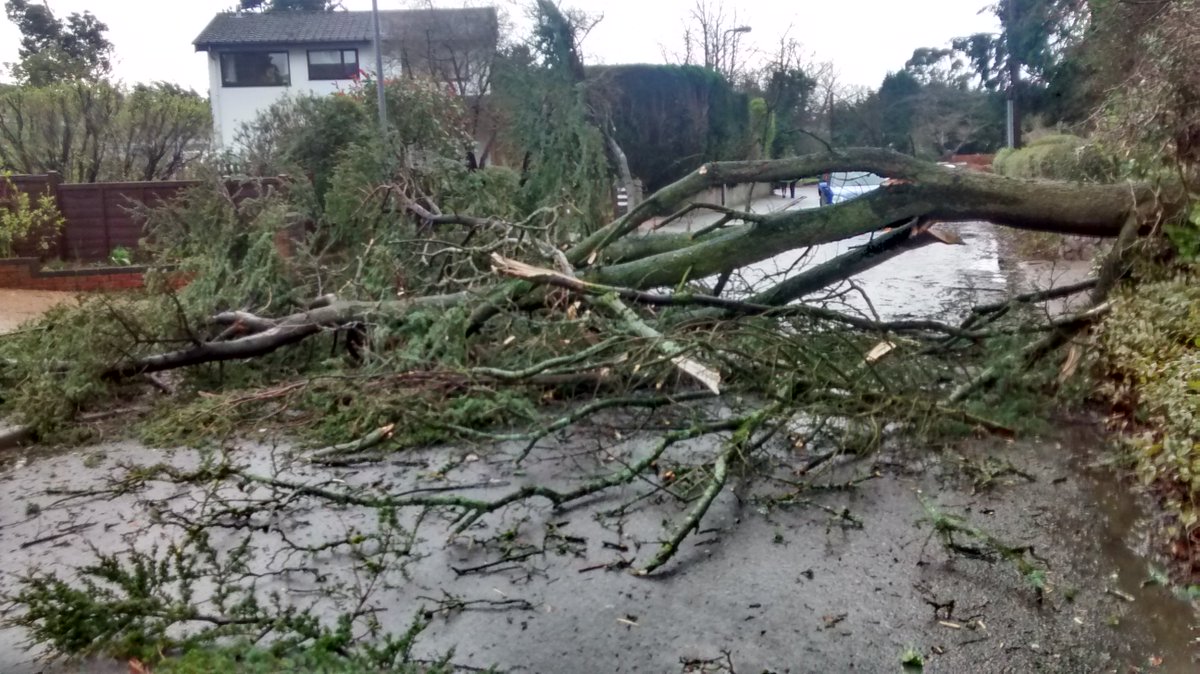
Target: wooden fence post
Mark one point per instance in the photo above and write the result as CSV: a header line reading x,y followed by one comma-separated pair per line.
x,y
53,180
105,220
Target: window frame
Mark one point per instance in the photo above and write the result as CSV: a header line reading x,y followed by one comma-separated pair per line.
x,y
225,84
341,51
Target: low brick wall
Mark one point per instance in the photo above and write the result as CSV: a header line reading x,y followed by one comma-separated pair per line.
x,y
25,273
735,196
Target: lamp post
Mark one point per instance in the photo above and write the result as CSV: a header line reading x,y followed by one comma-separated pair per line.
x,y
732,52
732,64
379,72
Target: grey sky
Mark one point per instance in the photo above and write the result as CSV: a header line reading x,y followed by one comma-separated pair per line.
x,y
863,38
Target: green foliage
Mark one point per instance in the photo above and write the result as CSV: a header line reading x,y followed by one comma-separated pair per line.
x,y
1151,346
563,160
898,96
1040,39
270,247
190,607
1055,157
788,95
671,119
912,660
121,256
1145,61
53,370
160,129
311,135
921,114
26,219
1045,40
425,120
304,136
1185,236
248,659
762,126
1058,157
56,50
96,131
226,239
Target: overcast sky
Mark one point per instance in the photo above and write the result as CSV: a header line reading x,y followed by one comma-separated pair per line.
x,y
864,39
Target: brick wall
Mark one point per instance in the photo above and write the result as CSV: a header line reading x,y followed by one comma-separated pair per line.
x,y
25,273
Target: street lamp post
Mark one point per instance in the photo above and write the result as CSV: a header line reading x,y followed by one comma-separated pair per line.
x,y
732,52
732,65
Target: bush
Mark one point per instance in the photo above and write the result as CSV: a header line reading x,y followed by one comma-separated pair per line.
x,y
305,135
1151,345
310,136
23,218
1058,157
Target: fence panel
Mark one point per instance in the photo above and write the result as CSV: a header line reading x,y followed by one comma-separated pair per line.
x,y
103,216
99,217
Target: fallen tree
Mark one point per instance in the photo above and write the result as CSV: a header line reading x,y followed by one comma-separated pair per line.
x,y
525,331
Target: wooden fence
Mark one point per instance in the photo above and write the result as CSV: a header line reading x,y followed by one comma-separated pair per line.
x,y
99,217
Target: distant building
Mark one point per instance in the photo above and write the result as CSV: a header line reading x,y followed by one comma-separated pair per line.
x,y
256,59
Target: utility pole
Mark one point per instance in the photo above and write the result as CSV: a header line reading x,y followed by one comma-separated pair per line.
x,y
379,72
1013,116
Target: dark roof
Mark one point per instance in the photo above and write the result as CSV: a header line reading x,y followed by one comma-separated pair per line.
x,y
273,28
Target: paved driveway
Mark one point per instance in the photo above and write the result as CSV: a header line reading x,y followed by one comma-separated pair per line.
x,y
18,306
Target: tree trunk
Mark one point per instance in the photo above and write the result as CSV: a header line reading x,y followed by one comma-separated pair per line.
x,y
622,164
919,190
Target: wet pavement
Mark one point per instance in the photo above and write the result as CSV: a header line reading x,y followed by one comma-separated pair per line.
x,y
937,280
772,581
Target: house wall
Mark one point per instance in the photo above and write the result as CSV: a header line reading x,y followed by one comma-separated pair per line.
x,y
234,106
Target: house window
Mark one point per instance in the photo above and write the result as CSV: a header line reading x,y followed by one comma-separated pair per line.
x,y
333,64
255,69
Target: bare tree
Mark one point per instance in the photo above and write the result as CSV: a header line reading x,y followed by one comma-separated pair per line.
x,y
457,48
829,90
788,84
712,38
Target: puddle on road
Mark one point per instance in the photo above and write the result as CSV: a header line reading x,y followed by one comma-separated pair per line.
x,y
938,280
1120,527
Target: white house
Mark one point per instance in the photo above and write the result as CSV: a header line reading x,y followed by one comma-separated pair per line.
x,y
256,59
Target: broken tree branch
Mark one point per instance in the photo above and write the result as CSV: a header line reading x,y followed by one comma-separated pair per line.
x,y
281,333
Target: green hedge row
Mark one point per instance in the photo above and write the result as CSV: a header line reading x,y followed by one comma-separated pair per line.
x,y
1057,157
671,119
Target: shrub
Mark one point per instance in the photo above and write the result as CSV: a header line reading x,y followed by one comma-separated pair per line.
x,y
1058,157
1151,345
23,218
